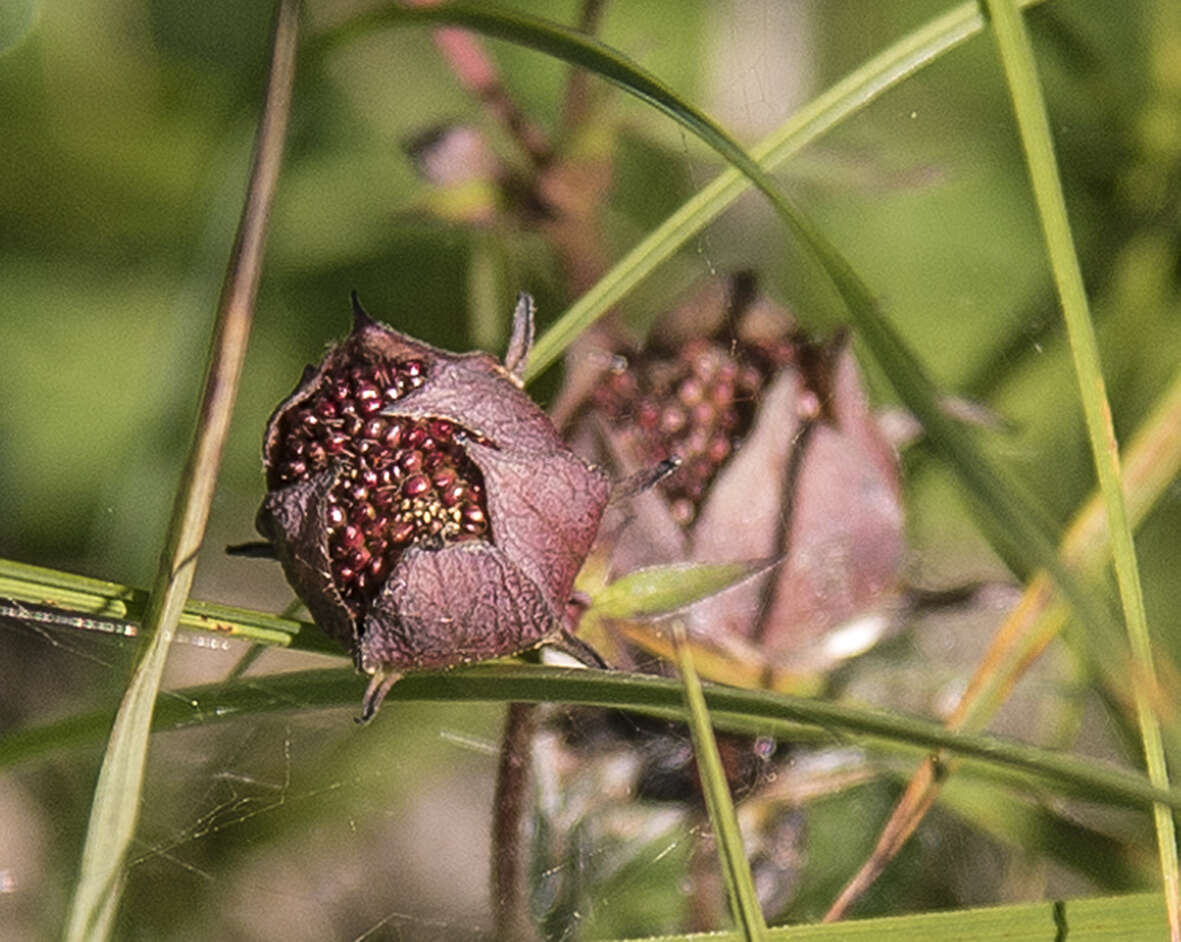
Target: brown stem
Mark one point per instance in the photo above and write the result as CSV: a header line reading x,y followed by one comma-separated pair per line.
x,y
577,100
706,897
478,74
509,899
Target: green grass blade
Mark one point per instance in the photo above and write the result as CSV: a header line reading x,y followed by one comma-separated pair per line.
x,y
1102,919
33,594
732,708
1032,121
117,798
740,885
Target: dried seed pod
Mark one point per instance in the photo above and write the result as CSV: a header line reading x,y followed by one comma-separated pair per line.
x,y
422,506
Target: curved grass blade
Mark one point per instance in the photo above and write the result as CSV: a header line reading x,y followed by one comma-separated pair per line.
x,y
115,810
740,885
750,711
1033,124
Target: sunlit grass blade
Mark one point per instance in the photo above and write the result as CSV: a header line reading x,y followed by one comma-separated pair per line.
x,y
740,887
117,797
1033,123
749,711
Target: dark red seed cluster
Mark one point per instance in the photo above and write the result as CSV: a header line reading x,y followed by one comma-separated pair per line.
x,y
695,403
401,481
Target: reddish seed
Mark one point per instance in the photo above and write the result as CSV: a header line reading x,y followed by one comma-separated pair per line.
x,y
416,484
450,496
672,420
723,392
750,380
697,441
415,436
326,409
384,498
411,462
412,368
690,392
375,429
359,558
376,567
345,575
719,449
369,477
393,435
473,514
334,516
364,515
443,477
441,429
647,414
704,414
401,531
351,536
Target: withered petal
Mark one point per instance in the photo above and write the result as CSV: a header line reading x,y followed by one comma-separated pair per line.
x,y
742,516
544,512
292,518
474,391
846,545
466,602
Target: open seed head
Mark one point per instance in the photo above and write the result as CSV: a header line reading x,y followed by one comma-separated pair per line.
x,y
423,508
